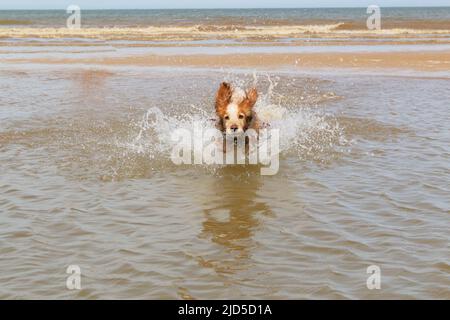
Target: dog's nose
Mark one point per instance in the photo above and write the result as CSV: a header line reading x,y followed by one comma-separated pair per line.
x,y
234,127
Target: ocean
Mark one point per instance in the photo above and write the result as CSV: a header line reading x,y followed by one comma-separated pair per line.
x,y
427,18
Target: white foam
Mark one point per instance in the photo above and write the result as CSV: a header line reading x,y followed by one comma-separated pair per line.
x,y
154,32
303,131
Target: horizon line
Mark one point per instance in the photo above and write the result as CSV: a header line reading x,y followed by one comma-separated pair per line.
x,y
230,8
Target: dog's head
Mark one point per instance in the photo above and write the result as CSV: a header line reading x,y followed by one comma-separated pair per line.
x,y
235,108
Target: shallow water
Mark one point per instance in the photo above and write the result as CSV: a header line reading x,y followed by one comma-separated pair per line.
x,y
86,179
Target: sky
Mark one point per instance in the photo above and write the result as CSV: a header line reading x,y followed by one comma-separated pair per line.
x,y
171,4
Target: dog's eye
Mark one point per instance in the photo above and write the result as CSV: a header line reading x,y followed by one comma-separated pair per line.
x,y
241,116
227,118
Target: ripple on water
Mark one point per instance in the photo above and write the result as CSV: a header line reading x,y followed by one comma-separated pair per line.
x,y
89,183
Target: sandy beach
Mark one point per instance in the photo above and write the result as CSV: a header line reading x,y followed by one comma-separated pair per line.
x,y
421,61
416,45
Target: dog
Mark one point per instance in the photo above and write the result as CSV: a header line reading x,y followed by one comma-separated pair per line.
x,y
235,110
236,119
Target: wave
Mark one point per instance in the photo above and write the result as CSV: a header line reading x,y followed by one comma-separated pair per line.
x,y
208,32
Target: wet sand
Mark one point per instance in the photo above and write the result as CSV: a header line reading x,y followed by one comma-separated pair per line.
x,y
425,61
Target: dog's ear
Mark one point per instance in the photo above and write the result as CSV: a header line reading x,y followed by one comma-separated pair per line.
x,y
250,98
223,97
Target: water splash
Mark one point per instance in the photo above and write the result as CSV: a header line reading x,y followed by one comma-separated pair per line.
x,y
305,132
